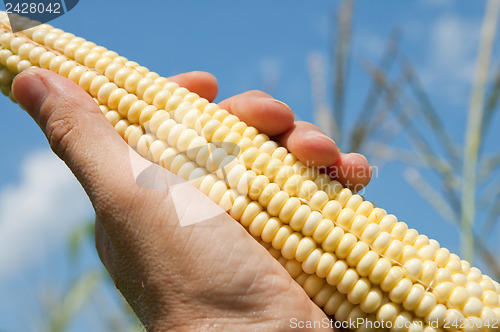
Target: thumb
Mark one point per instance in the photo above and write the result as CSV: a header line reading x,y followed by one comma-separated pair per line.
x,y
76,130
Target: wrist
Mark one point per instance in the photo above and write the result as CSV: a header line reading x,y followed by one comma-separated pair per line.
x,y
239,324
243,320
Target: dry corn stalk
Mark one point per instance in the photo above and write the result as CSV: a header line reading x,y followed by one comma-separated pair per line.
x,y
353,259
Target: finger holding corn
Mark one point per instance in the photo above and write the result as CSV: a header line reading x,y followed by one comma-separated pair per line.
x,y
355,260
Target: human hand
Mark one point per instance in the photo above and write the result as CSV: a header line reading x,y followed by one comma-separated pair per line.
x,y
204,276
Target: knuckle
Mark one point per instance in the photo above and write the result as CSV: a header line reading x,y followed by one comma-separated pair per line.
x,y
60,132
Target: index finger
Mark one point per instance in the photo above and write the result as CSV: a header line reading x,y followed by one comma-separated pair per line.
x,y
202,83
258,109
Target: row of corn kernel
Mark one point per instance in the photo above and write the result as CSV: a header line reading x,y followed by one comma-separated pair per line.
x,y
341,306
311,286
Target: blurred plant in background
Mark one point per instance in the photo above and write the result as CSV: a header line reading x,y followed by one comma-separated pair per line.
x,y
91,289
396,105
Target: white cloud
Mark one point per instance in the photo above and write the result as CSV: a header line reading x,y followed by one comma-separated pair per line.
x,y
37,214
452,51
270,69
437,3
454,44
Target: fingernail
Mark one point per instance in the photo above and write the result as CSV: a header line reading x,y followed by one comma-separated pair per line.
x,y
359,155
32,94
279,102
319,134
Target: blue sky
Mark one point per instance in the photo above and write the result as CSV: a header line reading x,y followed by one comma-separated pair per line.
x,y
247,45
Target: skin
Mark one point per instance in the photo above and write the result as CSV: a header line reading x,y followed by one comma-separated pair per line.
x,y
211,275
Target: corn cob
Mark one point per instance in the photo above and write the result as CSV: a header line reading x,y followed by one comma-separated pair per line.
x,y
355,260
